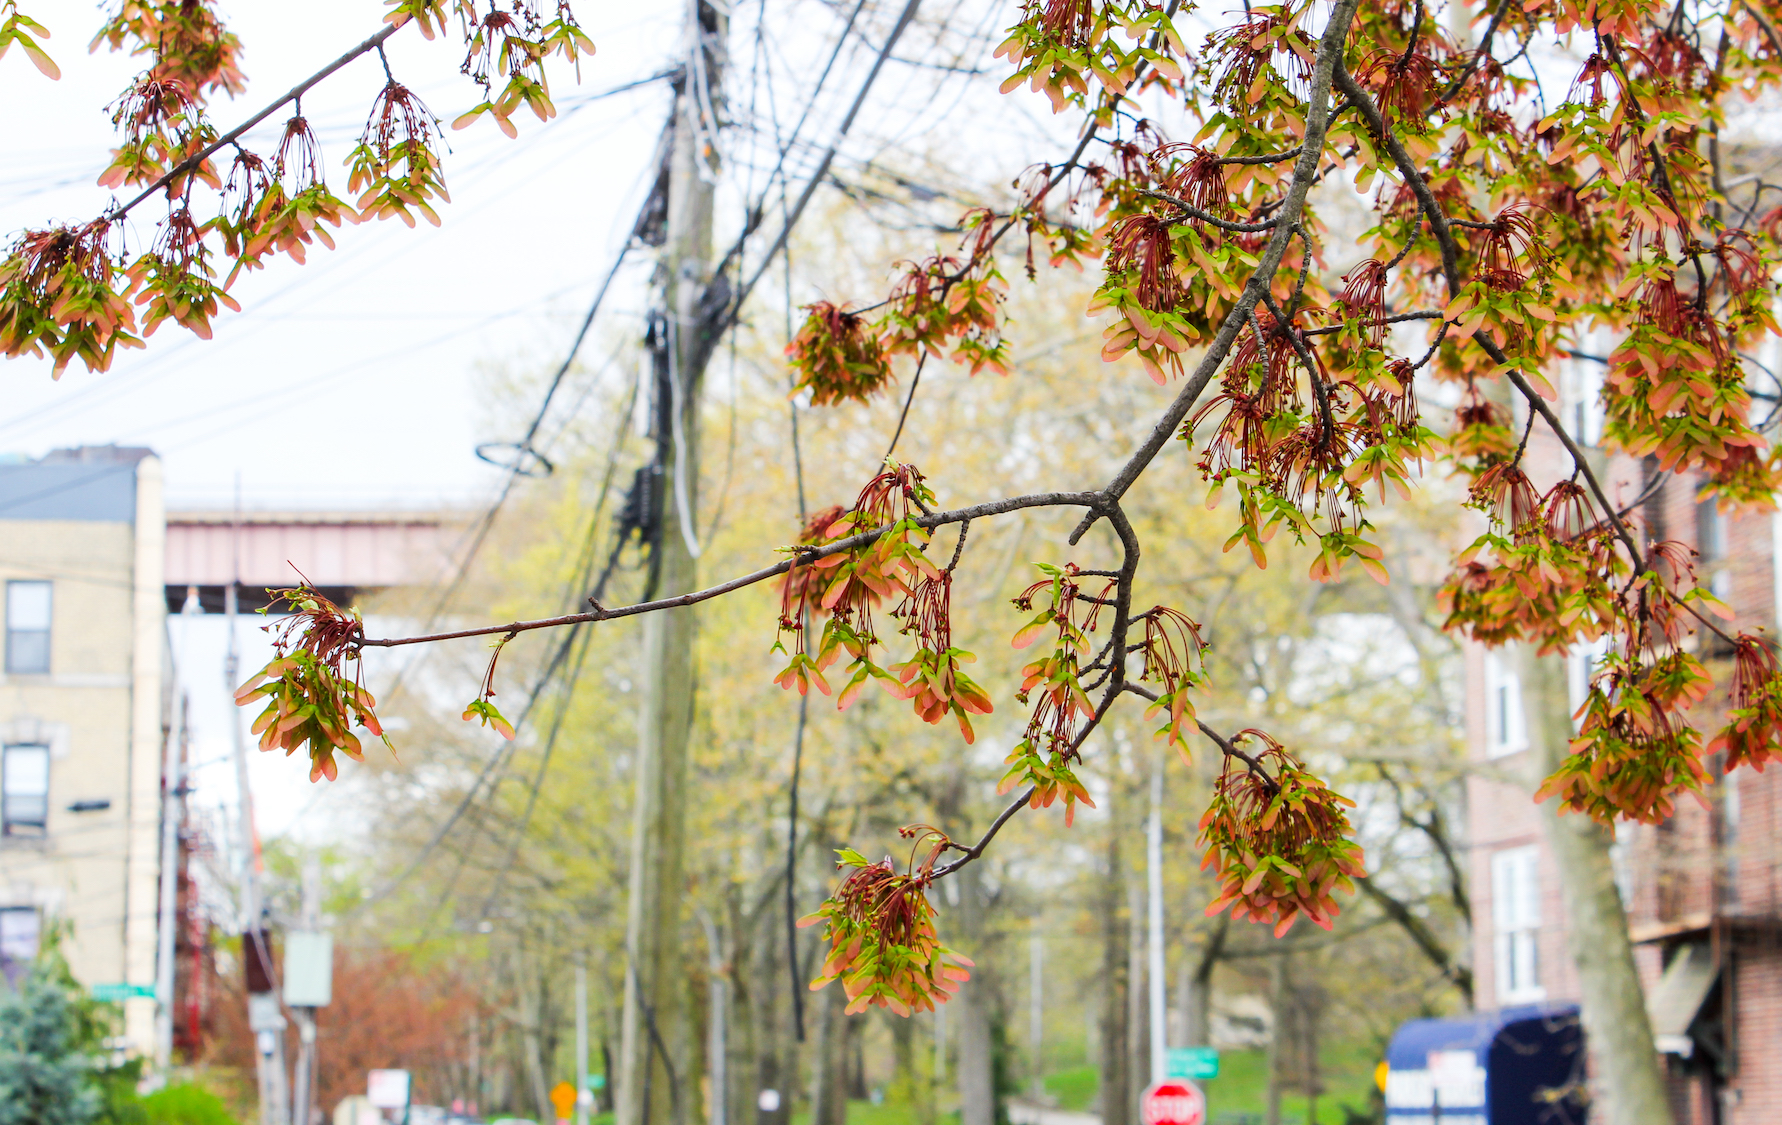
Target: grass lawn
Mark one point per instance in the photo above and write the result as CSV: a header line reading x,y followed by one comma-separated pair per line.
x,y
1074,1088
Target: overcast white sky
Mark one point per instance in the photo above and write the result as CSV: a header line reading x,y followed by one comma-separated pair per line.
x,y
353,381
349,381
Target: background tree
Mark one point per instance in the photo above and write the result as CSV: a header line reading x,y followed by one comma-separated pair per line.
x,y
1505,226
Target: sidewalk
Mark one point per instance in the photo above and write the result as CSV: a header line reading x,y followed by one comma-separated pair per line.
x,y
1026,1113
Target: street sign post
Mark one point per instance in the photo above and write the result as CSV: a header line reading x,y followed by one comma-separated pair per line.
x,y
114,993
1174,1101
563,1100
1192,1062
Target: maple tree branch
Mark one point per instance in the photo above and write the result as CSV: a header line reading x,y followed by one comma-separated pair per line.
x,y
1763,21
803,555
1396,318
1194,212
1266,158
1482,53
977,849
1318,116
1225,745
375,42
1444,231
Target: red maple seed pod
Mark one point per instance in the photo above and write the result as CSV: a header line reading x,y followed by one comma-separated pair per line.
x,y
1143,241
1199,180
1364,296
1569,513
1509,492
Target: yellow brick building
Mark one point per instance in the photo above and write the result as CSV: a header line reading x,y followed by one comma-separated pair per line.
x,y
82,682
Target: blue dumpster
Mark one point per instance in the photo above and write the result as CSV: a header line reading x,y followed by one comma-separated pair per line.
x,y
1516,1066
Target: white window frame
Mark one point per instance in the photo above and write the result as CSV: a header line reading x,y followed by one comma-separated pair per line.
x,y
1516,924
17,820
1506,725
14,589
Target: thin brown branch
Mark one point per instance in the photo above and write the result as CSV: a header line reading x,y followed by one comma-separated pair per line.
x,y
1769,29
1266,158
804,555
1444,232
1396,318
977,849
1193,212
291,95
1482,53
1224,744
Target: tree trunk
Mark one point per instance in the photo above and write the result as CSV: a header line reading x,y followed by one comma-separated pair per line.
x,y
655,1063
829,1064
976,1065
1116,1105
911,1084
1197,986
746,1021
1277,1036
1630,1082
1138,1023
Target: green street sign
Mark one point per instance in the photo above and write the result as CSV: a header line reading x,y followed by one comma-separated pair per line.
x,y
1191,1062
112,993
596,1081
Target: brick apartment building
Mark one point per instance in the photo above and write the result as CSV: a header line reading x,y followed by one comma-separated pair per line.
x,y
1703,890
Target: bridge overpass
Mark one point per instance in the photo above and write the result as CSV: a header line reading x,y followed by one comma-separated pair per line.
x,y
343,554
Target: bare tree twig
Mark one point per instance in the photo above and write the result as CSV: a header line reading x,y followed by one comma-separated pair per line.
x,y
977,849
804,555
291,95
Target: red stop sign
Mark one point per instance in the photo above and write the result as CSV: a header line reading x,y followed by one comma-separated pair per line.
x,y
1176,1101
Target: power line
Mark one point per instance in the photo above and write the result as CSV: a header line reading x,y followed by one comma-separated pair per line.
x,y
571,595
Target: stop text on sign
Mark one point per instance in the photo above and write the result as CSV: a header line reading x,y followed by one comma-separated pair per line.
x,y
1176,1102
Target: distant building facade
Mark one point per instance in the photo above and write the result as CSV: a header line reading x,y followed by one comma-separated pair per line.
x,y
91,564
1703,890
82,681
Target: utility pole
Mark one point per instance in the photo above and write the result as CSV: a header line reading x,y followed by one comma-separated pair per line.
x,y
1154,983
1036,987
304,1083
584,1097
655,1086
172,792
264,1017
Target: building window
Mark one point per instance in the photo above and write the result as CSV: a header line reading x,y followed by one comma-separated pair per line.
x,y
1581,386
1581,665
27,627
19,937
1506,732
24,788
1516,924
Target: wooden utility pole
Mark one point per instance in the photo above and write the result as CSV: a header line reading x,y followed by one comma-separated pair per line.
x,y
655,1083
